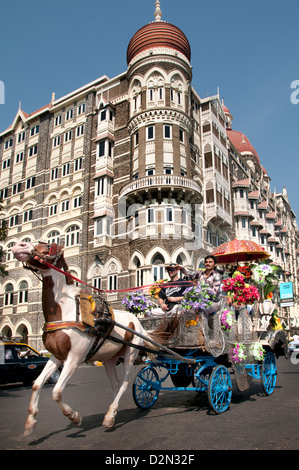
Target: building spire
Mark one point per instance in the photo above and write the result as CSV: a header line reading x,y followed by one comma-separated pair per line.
x,y
158,12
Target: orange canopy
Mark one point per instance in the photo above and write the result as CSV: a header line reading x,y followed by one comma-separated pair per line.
x,y
237,251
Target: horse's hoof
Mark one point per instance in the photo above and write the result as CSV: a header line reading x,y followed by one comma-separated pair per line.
x,y
29,428
108,422
77,420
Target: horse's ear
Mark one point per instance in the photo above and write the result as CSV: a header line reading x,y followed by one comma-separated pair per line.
x,y
53,249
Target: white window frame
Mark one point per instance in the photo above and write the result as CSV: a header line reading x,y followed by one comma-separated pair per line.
x,y
147,133
56,141
58,120
112,282
81,108
150,215
69,114
169,215
170,131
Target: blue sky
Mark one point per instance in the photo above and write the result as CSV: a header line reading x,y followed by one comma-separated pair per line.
x,y
249,49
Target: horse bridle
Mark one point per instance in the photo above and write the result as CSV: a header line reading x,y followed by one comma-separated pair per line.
x,y
48,260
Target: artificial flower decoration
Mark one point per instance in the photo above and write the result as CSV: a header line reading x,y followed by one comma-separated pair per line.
x,y
155,288
197,297
137,303
245,271
191,322
265,276
275,322
257,351
238,353
227,319
238,291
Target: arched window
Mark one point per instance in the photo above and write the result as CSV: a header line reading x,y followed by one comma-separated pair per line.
x,y
72,236
8,296
9,255
158,263
23,292
53,237
139,272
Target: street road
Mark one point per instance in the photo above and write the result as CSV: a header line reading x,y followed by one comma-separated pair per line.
x,y
179,421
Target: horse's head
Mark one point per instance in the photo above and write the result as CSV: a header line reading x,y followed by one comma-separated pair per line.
x,y
34,256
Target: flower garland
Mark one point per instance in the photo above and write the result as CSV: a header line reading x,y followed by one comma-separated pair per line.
x,y
240,293
155,288
198,297
238,353
137,303
227,319
257,351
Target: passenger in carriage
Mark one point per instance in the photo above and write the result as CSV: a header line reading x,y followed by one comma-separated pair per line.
x,y
209,276
171,295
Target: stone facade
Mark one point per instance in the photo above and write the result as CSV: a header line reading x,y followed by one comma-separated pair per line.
x,y
129,173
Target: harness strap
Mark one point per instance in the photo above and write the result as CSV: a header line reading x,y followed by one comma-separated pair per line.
x,y
98,344
62,325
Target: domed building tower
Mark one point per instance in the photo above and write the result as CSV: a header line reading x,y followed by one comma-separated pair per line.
x,y
163,198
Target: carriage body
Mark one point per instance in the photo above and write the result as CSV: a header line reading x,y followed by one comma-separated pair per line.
x,y
202,338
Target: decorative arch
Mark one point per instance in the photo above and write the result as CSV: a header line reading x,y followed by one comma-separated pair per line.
x,y
183,254
112,266
158,72
150,256
6,328
136,256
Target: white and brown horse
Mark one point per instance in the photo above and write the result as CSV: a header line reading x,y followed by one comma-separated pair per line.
x,y
67,342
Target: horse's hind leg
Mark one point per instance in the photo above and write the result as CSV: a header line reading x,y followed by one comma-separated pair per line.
x,y
109,418
48,370
69,368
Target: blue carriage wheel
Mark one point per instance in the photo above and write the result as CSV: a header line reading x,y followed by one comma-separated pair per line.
x,y
220,389
146,388
269,373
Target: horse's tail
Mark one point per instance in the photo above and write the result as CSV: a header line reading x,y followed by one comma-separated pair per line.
x,y
166,330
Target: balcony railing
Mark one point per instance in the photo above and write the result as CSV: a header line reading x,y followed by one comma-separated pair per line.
x,y
160,181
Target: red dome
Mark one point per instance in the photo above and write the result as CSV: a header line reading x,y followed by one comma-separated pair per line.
x,y
225,109
241,142
158,34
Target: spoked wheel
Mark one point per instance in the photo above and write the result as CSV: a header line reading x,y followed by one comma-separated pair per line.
x,y
220,389
146,388
269,373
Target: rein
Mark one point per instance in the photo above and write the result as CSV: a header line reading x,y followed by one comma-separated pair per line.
x,y
69,275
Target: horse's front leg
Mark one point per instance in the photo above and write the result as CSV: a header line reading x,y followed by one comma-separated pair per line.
x,y
48,370
69,368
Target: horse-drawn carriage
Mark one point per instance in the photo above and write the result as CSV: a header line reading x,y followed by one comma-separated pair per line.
x,y
189,347
208,352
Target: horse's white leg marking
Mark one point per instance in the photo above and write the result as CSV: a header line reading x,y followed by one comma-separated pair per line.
x,y
48,370
129,358
110,368
69,368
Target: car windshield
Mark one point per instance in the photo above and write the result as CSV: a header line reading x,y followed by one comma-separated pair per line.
x,y
24,351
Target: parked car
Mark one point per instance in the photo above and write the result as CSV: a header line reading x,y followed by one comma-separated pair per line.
x,y
21,363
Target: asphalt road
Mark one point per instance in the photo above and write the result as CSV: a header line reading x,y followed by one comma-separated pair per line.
x,y
179,421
